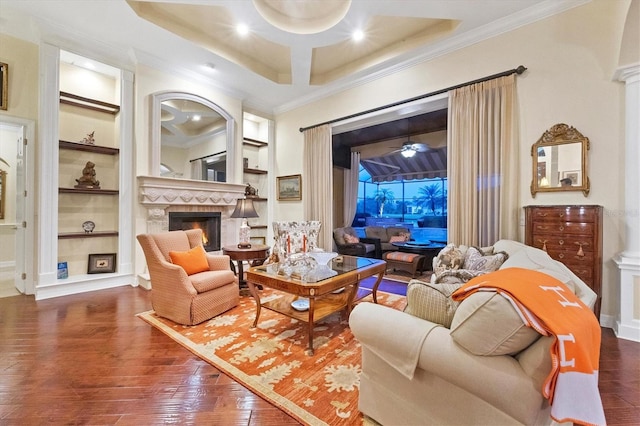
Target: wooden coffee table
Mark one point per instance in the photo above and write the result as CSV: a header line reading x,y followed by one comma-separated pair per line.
x,y
322,299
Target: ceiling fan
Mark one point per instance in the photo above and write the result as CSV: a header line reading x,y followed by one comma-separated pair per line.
x,y
409,149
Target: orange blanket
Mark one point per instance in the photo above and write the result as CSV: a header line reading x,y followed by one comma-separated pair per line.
x,y
548,306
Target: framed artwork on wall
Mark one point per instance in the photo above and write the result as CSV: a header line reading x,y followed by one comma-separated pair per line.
x,y
101,263
4,85
289,188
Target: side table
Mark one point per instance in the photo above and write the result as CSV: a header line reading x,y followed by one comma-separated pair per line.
x,y
255,256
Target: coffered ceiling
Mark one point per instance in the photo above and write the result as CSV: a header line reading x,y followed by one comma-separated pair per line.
x,y
293,51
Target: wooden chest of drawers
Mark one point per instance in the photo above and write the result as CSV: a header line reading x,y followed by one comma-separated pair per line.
x,y
571,235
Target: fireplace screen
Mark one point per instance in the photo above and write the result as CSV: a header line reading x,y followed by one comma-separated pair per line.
x,y
209,222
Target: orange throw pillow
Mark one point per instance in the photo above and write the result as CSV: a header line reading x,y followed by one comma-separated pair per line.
x,y
192,261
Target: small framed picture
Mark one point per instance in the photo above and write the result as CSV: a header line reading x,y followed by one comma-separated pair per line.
x,y
101,263
4,85
574,175
289,188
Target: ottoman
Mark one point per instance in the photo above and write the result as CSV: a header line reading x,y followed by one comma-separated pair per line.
x,y
409,262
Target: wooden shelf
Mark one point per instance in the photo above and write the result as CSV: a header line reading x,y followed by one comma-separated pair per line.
x,y
88,103
255,171
97,234
76,146
88,191
253,142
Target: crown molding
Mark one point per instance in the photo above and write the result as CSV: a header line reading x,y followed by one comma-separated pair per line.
x,y
519,19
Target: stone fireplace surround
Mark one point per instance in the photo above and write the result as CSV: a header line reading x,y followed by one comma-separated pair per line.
x,y
161,195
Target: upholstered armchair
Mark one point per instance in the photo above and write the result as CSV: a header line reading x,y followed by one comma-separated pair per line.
x,y
188,285
348,242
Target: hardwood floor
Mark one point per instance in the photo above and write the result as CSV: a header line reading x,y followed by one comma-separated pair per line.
x,y
87,359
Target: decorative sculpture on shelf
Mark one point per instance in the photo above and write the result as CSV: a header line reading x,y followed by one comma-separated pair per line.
x,y
250,191
88,179
89,139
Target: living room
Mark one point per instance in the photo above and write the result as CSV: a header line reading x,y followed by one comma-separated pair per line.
x,y
575,75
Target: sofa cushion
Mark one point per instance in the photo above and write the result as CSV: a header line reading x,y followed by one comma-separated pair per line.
x,y
432,302
485,323
208,280
403,237
192,261
476,259
450,257
377,232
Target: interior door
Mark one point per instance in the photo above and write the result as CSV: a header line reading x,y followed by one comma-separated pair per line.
x,y
13,268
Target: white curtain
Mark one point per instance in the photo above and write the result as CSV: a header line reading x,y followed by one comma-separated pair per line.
x,y
317,182
351,177
483,163
196,169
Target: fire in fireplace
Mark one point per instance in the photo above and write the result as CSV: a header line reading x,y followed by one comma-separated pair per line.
x,y
209,222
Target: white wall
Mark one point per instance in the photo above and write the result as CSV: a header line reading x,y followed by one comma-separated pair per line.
x,y
571,58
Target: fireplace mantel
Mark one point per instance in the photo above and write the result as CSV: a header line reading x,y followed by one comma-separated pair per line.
x,y
161,195
164,191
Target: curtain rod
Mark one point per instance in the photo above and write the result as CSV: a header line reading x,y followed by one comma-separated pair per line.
x,y
207,156
518,70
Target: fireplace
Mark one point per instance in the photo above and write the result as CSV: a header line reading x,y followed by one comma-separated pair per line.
x,y
209,222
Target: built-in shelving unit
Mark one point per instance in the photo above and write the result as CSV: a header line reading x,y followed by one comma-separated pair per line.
x,y
79,123
257,132
87,103
76,146
97,234
255,171
95,123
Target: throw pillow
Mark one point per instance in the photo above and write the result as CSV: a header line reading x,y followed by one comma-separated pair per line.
x,y
398,239
192,261
351,239
476,260
485,323
432,302
449,258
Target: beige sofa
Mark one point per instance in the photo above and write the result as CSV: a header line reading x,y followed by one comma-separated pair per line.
x,y
416,371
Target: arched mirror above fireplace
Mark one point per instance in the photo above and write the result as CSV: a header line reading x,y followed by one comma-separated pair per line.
x,y
191,138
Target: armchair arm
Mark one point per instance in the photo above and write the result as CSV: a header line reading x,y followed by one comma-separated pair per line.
x,y
375,242
352,249
219,262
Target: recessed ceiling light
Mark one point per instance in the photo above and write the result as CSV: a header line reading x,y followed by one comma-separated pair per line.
x,y
196,117
242,29
358,35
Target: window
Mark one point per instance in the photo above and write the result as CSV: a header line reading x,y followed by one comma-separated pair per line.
x,y
420,202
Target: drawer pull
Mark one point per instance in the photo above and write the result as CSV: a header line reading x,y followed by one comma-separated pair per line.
x,y
561,215
580,251
544,228
544,244
542,214
561,242
561,255
561,228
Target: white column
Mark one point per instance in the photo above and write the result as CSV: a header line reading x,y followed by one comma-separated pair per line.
x,y
627,326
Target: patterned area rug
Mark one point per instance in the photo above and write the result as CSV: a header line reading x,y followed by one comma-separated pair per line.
x,y
270,359
405,277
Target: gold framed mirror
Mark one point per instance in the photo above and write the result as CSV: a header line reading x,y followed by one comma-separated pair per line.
x,y
560,161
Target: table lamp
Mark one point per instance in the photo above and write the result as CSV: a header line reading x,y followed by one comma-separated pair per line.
x,y
244,209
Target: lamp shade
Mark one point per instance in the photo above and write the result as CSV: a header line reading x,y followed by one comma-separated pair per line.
x,y
244,208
